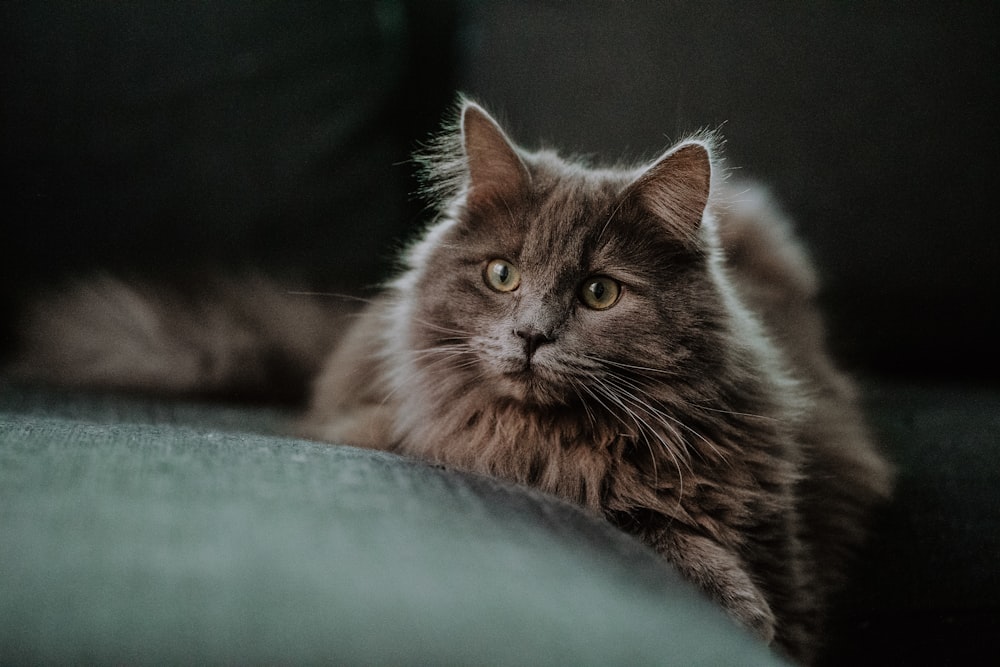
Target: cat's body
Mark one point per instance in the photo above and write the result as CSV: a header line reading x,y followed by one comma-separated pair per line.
x,y
641,342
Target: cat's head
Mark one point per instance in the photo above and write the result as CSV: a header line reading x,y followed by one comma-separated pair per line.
x,y
546,282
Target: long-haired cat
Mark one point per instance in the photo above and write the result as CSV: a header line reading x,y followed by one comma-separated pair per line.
x,y
642,342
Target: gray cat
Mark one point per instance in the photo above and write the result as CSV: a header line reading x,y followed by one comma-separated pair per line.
x,y
642,342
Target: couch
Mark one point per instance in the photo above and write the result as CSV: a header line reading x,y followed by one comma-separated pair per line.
x,y
144,138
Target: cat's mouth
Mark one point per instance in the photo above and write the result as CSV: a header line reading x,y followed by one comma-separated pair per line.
x,y
531,383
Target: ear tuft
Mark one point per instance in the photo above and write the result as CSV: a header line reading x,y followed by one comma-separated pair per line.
x,y
495,170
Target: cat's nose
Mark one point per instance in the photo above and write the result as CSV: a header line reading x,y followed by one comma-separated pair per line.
x,y
533,339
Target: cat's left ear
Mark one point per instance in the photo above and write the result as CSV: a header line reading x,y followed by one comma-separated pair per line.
x,y
676,188
495,170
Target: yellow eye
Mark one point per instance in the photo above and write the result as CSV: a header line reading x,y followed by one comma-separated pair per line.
x,y
502,276
600,292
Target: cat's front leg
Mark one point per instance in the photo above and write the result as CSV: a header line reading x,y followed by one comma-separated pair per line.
x,y
721,573
351,401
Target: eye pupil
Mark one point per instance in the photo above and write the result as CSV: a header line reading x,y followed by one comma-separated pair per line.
x,y
502,272
597,288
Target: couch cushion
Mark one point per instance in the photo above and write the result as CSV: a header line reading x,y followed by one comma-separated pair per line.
x,y
139,531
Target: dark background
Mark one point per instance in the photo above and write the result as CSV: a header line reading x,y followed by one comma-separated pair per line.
x,y
157,137
150,135
873,123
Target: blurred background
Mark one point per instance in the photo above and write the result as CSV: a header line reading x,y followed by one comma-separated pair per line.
x,y
155,136
158,137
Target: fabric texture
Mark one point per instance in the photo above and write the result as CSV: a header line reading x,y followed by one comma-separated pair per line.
x,y
926,590
140,531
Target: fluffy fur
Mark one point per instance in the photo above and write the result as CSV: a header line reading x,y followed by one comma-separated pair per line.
x,y
698,411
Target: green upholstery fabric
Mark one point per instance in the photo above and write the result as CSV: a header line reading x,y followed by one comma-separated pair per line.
x,y
139,531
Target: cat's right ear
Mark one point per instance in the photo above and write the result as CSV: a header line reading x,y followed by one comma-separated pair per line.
x,y
495,171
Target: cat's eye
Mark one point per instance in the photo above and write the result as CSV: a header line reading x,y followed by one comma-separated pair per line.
x,y
600,292
502,276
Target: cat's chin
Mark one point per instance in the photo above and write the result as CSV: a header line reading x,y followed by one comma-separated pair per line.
x,y
530,388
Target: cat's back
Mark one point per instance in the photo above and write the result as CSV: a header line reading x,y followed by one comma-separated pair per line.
x,y
844,471
772,273
768,263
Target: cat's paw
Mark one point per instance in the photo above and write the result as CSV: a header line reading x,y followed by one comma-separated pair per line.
x,y
751,611
719,572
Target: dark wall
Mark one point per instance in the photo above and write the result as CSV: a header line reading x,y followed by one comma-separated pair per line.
x,y
152,136
149,135
873,122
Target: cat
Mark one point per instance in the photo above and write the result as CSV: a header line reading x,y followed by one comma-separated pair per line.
x,y
640,341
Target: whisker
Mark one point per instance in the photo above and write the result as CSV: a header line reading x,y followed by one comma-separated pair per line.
x,y
640,429
459,356
586,408
734,413
335,295
642,434
645,430
438,327
441,349
611,217
621,399
621,364
662,371
628,386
